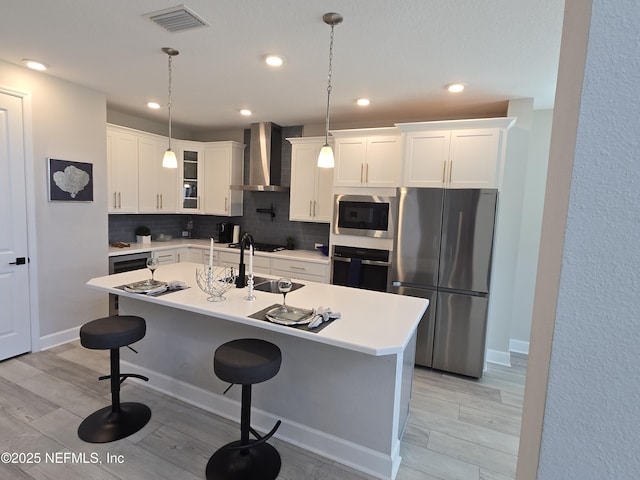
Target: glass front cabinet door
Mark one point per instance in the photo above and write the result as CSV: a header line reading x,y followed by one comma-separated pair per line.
x,y
190,164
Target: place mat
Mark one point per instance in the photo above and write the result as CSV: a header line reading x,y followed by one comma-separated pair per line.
x,y
261,315
159,294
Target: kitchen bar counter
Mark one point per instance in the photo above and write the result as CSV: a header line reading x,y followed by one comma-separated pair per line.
x,y
306,255
342,392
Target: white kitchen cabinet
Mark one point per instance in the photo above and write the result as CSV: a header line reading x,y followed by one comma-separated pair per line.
x,y
157,186
232,259
190,175
454,154
223,167
165,257
369,157
122,171
300,269
311,187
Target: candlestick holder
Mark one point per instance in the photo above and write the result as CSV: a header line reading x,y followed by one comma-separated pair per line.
x,y
215,281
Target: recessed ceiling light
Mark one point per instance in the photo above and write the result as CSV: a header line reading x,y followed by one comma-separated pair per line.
x,y
363,102
246,112
274,60
455,87
153,105
33,65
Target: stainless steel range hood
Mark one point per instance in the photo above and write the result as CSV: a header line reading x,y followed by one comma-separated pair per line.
x,y
265,159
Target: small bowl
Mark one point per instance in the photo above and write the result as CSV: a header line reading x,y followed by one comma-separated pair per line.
x,y
161,237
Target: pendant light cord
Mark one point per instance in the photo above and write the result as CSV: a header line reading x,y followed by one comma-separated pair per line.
x,y
326,132
169,102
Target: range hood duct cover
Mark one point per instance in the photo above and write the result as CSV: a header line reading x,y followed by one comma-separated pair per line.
x,y
265,159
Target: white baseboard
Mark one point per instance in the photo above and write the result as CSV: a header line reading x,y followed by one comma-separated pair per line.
x,y
342,451
518,346
501,358
58,338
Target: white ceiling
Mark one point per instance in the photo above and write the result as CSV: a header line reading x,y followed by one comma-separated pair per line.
x,y
400,54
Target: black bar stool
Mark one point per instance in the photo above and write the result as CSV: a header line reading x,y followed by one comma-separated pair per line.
x,y
245,362
120,419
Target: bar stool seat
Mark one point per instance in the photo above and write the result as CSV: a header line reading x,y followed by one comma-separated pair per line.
x,y
120,419
245,362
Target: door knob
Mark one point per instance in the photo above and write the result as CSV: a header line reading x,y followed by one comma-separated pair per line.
x,y
19,261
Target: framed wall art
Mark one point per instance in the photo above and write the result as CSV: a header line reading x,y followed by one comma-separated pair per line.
x,y
70,181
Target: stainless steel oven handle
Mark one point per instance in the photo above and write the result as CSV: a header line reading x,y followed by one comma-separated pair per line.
x,y
364,262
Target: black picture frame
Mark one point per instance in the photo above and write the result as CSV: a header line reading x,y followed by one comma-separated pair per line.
x,y
70,181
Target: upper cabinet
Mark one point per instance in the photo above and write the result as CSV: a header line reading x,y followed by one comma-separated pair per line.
x,y
368,157
223,166
157,186
191,172
122,171
454,154
310,195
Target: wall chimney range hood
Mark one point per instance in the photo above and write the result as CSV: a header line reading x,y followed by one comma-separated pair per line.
x,y
265,159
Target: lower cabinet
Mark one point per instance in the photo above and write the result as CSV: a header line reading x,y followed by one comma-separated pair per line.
x,y
278,267
314,272
232,259
165,256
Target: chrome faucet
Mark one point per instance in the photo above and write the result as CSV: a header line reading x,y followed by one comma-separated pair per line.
x,y
246,239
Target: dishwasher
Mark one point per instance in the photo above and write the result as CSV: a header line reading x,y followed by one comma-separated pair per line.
x,y
125,263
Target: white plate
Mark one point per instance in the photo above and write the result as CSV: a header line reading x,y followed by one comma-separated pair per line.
x,y
290,315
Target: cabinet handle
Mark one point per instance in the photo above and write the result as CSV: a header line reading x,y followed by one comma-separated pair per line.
x,y
157,202
225,203
115,204
294,267
366,176
160,201
119,199
444,169
314,208
361,171
310,203
450,169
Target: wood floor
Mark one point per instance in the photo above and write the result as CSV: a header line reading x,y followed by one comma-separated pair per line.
x,y
458,428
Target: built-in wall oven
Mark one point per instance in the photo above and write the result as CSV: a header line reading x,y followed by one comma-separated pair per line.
x,y
125,263
364,215
357,267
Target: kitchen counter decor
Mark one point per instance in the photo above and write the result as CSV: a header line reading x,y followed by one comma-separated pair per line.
x,y
215,281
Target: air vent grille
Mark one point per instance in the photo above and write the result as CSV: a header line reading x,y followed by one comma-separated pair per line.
x,y
177,19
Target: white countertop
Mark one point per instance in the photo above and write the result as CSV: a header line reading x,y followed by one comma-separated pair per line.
x,y
373,323
306,255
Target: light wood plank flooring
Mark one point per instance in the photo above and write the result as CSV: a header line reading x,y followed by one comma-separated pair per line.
x,y
458,428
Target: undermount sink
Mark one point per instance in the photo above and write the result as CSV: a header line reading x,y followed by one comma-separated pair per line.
x,y
271,286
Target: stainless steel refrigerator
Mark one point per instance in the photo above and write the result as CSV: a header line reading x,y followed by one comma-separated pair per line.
x,y
442,251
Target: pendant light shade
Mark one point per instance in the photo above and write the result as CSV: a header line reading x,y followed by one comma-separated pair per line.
x,y
325,158
169,160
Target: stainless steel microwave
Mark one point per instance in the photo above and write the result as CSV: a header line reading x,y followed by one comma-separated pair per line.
x,y
366,215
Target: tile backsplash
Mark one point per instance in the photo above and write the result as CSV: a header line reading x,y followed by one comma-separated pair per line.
x,y
262,226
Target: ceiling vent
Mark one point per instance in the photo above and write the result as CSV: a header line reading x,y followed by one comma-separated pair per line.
x,y
177,19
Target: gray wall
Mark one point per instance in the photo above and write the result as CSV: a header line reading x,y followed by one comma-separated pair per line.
x,y
592,414
68,122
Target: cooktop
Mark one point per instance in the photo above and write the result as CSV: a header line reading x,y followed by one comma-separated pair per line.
x,y
260,247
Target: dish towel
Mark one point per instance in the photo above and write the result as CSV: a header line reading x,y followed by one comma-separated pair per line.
x,y
354,278
322,315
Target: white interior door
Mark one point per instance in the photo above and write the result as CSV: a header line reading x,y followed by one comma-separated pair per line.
x,y
15,322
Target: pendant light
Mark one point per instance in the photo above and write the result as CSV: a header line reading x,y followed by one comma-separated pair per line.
x,y
169,160
325,158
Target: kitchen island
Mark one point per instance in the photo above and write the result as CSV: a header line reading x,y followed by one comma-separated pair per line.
x,y
342,392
